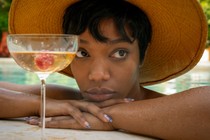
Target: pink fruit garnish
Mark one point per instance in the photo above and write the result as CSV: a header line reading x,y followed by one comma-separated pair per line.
x,y
44,60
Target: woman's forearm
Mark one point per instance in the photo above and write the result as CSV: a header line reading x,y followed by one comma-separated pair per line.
x,y
189,118
15,104
53,91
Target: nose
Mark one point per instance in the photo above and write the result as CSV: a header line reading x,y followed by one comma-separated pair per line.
x,y
99,71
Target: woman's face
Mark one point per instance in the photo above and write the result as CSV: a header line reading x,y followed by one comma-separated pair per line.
x,y
106,70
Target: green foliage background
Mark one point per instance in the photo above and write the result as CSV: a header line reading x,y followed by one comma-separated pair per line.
x,y
206,7
5,4
4,8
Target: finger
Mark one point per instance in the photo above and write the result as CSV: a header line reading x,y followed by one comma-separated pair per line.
x,y
78,116
92,109
31,117
64,122
98,112
33,120
60,118
36,120
114,102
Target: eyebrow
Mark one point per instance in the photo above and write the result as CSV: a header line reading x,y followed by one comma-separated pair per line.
x,y
84,41
119,40
115,41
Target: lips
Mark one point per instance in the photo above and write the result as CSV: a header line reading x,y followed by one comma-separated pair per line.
x,y
99,94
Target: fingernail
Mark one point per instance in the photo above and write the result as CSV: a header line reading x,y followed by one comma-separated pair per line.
x,y
87,125
33,121
128,99
26,119
108,118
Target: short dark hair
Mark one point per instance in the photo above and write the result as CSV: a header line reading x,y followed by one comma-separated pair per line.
x,y
87,14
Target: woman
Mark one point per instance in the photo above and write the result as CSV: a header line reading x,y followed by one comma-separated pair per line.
x,y
121,49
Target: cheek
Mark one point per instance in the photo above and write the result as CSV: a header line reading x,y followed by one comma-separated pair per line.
x,y
79,73
130,69
130,74
126,78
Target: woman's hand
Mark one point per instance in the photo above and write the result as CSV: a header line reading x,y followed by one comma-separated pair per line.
x,y
75,109
71,123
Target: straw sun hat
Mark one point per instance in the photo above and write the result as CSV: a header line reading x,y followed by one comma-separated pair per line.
x,y
178,38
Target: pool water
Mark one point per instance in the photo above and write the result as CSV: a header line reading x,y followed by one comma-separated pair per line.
x,y
198,76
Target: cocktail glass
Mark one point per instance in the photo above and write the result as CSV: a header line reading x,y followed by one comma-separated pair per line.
x,y
43,54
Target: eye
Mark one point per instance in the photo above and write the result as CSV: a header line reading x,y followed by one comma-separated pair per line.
x,y
120,54
82,53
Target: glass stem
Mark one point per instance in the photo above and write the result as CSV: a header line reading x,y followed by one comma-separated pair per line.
x,y
43,102
43,77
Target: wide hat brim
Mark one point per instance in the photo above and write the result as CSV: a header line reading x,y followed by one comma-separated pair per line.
x,y
179,32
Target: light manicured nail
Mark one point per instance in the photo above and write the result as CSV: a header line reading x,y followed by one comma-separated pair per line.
x,y
128,99
33,121
108,118
87,125
26,118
